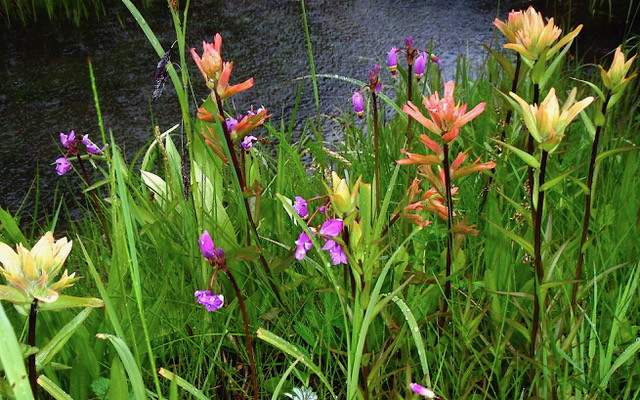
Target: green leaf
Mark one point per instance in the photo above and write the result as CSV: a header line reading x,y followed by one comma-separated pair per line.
x,y
611,152
506,64
551,183
593,86
627,354
526,245
11,359
247,253
10,226
197,393
53,389
13,295
523,155
58,341
415,333
65,301
118,386
293,351
135,376
588,124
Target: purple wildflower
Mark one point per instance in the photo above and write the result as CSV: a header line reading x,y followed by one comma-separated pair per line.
x,y
419,66
91,147
392,60
300,207
211,301
303,244
231,123
247,142
374,79
331,228
358,103
322,209
335,251
423,391
408,42
209,249
435,59
68,141
62,166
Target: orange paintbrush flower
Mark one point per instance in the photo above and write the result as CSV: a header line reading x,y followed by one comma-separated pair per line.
x,y
615,79
210,64
446,117
223,89
511,26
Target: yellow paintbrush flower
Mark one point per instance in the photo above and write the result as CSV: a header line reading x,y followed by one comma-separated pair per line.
x,y
530,36
615,79
546,122
511,25
32,272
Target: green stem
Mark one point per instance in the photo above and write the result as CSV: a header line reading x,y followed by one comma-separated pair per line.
x,y
537,254
376,146
409,98
31,340
587,204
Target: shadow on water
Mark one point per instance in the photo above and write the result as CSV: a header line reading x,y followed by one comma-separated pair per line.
x,y
45,87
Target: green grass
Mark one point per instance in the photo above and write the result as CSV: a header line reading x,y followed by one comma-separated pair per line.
x,y
366,330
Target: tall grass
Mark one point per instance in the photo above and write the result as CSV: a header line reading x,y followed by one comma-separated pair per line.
x,y
366,329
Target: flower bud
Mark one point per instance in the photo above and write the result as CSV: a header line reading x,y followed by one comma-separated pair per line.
x,y
358,103
420,65
392,60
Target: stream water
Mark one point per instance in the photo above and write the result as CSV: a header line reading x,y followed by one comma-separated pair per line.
x,y
46,90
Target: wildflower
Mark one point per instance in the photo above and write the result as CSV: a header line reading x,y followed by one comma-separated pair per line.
x,y
304,393
535,38
211,301
210,64
68,141
90,146
446,117
247,142
511,26
331,228
62,165
424,159
392,60
231,123
240,127
423,391
419,66
300,207
615,79
343,200
374,79
408,42
335,251
223,89
358,103
208,249
31,272
546,122
435,59
303,245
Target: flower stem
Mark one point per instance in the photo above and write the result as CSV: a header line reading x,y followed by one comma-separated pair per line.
x,y
247,333
376,147
31,340
537,245
94,198
449,198
409,98
243,187
587,204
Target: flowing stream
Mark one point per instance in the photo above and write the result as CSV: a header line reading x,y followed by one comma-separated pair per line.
x,y
46,90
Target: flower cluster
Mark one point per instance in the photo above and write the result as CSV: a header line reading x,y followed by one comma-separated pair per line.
x,y
329,229
415,57
71,143
238,128
375,86
216,257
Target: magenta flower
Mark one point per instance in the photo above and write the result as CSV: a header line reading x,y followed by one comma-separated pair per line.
x,y
68,141
392,60
300,207
374,79
211,301
335,251
331,228
303,244
231,123
423,391
358,103
91,147
435,59
62,166
247,142
322,209
419,65
408,42
209,249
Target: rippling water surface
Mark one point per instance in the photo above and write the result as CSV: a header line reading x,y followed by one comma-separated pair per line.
x,y
45,87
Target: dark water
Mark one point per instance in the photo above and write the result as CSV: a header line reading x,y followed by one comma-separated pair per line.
x,y
45,86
